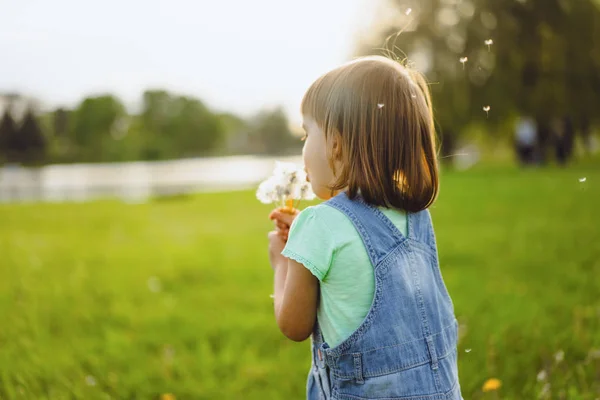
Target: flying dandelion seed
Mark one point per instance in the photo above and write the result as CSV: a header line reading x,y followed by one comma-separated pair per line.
x,y
487,110
581,180
489,43
408,11
414,96
463,61
467,350
380,105
272,296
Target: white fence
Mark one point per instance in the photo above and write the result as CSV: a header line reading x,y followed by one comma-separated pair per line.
x,y
133,181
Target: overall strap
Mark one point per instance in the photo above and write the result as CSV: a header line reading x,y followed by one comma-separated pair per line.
x,y
378,233
421,229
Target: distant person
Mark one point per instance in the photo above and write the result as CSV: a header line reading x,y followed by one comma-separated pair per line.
x,y
526,140
586,135
360,271
563,140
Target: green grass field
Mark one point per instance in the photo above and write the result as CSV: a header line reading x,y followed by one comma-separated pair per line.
x,y
110,300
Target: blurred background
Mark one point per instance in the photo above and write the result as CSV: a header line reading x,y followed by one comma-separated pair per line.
x,y
133,134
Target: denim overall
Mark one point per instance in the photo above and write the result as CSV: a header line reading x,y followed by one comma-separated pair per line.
x,y
406,346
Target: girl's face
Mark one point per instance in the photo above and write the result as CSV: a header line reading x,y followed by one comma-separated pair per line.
x,y
316,154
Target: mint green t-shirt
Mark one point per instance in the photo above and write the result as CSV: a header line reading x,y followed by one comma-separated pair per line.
x,y
325,241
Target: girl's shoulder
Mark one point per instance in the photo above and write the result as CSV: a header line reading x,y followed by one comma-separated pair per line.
x,y
329,218
323,219
324,214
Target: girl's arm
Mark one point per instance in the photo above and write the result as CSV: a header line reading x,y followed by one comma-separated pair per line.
x,y
296,293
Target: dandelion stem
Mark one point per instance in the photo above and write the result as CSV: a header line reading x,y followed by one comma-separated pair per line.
x,y
289,204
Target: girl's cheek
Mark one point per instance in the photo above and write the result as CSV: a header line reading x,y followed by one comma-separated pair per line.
x,y
305,158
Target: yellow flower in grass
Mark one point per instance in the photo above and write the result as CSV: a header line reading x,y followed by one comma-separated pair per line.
x,y
167,396
491,385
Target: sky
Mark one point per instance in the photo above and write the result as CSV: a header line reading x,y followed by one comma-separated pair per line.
x,y
236,55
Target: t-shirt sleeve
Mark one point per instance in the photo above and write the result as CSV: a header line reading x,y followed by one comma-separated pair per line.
x,y
311,243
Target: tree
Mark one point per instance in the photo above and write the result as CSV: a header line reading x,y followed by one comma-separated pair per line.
x,y
61,122
32,137
195,128
179,126
544,60
154,125
270,133
60,146
24,144
236,133
93,120
8,132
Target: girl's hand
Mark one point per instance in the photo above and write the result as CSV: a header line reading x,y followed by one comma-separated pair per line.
x,y
283,220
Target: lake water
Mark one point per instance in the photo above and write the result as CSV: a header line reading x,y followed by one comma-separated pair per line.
x,y
134,181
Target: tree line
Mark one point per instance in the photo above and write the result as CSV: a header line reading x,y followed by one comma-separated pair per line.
x,y
100,129
490,63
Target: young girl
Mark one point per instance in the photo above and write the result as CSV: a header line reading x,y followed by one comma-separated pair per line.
x,y
360,271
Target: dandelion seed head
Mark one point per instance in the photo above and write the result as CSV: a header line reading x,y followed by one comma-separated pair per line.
x,y
545,392
306,192
288,182
594,354
154,284
168,353
90,380
542,376
283,169
559,356
293,177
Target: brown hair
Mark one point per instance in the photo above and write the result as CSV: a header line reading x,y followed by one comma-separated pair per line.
x,y
381,111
